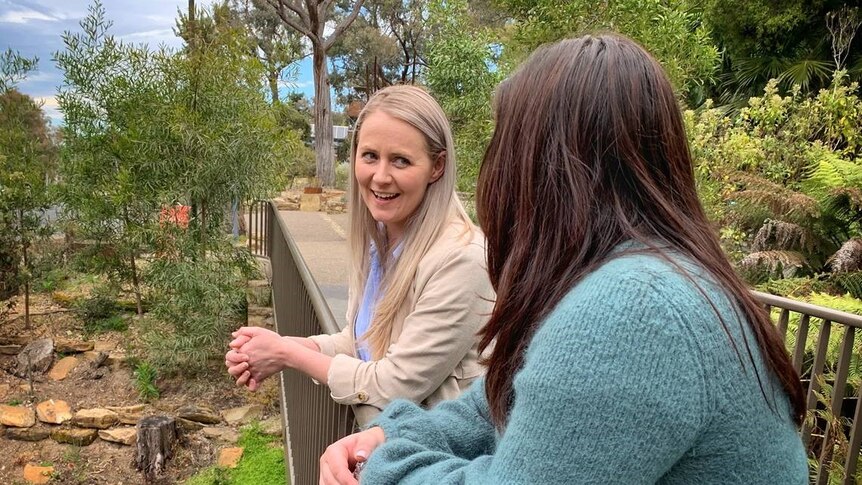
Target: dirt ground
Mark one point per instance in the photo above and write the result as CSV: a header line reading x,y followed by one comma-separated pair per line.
x,y
103,462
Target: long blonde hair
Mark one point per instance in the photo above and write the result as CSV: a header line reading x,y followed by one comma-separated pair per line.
x,y
439,207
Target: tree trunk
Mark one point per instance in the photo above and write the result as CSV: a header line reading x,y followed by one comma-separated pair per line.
x,y
272,79
136,288
26,263
157,436
323,148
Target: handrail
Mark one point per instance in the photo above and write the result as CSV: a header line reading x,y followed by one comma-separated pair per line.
x,y
809,309
312,420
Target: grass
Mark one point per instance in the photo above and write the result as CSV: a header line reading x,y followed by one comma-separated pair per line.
x,y
262,463
114,323
145,381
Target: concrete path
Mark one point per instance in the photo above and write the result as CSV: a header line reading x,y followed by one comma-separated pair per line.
x,y
322,240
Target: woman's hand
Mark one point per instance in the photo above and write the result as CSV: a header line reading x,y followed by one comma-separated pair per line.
x,y
340,458
257,353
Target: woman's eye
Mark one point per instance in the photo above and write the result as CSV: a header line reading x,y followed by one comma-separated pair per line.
x,y
400,162
369,156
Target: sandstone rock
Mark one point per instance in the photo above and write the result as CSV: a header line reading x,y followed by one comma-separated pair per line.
x,y
259,311
74,436
104,346
95,357
63,368
243,414
11,349
116,358
229,457
37,474
310,202
221,433
95,418
272,426
200,414
256,321
73,346
4,390
124,436
28,434
128,414
53,412
36,357
17,416
189,426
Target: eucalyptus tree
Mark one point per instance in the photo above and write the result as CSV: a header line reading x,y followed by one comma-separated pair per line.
x,y
110,187
26,156
310,18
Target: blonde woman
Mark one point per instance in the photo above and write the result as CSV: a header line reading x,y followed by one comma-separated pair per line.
x,y
419,288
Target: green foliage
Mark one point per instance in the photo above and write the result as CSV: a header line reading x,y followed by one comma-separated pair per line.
x,y
461,56
783,176
197,301
145,381
14,68
262,463
342,176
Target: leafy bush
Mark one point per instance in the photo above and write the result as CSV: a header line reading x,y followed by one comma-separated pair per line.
x,y
101,304
145,381
197,300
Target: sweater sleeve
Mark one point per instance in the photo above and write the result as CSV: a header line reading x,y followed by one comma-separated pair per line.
x,y
338,343
451,307
611,391
466,430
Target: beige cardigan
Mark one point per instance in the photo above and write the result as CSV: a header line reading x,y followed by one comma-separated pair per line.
x,y
433,354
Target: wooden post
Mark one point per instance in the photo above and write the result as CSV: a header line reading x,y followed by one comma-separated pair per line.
x,y
157,436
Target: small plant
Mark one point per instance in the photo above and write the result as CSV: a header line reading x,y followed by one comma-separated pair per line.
x,y
14,402
145,381
101,304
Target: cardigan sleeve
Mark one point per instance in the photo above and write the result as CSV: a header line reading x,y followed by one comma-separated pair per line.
x,y
452,305
611,391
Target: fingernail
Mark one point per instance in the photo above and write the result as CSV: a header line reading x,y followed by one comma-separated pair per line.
x,y
361,454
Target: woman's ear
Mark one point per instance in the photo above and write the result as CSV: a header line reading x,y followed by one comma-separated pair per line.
x,y
439,166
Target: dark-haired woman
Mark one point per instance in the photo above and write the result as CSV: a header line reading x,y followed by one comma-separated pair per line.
x,y
625,349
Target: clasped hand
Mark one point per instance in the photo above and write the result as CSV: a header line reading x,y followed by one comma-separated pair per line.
x,y
255,354
340,459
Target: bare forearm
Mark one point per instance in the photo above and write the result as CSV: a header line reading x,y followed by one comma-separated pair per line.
x,y
310,362
305,342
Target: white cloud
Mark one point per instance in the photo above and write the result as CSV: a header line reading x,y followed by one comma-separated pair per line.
x,y
25,16
148,34
51,109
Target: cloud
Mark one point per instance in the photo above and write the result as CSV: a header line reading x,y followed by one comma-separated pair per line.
x,y
25,16
150,36
51,109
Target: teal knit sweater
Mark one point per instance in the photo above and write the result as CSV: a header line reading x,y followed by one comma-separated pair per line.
x,y
631,379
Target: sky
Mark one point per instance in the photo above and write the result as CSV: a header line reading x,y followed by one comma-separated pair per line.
x,y
33,28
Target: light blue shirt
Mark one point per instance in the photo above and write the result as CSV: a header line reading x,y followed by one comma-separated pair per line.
x,y
369,300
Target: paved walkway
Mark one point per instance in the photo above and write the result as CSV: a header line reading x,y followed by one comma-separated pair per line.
x,y
322,240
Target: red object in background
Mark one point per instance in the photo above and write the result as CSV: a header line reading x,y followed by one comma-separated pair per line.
x,y
177,215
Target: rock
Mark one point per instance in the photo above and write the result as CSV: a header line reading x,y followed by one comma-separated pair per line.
x,y
116,358
229,457
37,474
95,358
11,349
243,414
4,390
124,436
17,416
272,426
74,436
189,426
53,412
36,357
310,202
64,346
28,434
63,368
200,414
221,433
104,346
128,414
259,293
95,418
256,321
16,340
259,311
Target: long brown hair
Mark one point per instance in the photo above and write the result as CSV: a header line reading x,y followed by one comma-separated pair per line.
x,y
589,151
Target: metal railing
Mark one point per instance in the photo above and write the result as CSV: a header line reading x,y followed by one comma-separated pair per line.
x,y
259,228
312,420
829,432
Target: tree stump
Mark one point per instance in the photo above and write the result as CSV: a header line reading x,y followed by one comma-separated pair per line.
x,y
157,436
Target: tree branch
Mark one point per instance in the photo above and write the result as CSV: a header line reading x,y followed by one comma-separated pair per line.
x,y
279,6
341,27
